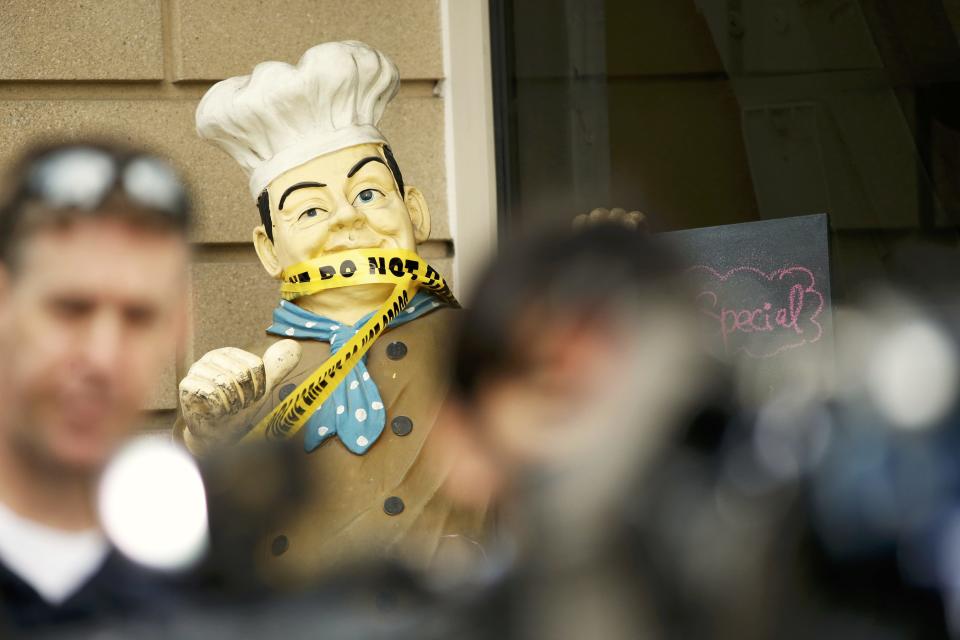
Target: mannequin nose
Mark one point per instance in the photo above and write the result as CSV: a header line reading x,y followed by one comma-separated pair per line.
x,y
347,217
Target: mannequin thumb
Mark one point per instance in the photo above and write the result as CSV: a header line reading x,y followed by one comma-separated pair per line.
x,y
279,360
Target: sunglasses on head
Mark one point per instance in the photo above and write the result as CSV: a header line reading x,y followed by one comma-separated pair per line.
x,y
83,177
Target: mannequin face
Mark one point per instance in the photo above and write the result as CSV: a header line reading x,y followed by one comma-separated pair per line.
x,y
341,201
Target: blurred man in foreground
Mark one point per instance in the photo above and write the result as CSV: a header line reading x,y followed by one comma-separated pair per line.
x,y
583,358
93,267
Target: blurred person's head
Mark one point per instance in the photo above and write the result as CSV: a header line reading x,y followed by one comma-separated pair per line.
x,y
577,357
568,336
93,268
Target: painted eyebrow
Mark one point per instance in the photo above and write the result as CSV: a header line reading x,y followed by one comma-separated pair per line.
x,y
362,163
299,185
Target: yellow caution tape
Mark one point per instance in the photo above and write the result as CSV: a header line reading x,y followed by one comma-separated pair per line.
x,y
407,271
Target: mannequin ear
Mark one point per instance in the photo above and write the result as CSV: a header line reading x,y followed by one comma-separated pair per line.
x,y
266,252
419,213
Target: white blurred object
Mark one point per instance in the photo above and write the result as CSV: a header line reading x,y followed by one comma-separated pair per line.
x,y
153,182
77,177
912,375
153,506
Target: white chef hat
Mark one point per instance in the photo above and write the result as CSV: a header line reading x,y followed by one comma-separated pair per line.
x,y
281,116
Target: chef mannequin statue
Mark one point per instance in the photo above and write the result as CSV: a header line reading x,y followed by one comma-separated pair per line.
x,y
351,366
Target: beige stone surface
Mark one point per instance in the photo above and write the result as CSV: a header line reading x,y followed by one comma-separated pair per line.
x,y
216,39
414,127
232,305
77,40
158,423
165,392
225,212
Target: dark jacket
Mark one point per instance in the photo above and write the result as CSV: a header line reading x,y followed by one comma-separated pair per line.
x,y
119,590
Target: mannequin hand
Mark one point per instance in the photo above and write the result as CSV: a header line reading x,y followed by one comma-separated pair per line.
x,y
225,389
629,219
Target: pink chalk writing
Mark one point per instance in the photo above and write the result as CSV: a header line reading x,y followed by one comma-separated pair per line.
x,y
758,314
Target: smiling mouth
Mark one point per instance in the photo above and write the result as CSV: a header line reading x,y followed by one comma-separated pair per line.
x,y
349,246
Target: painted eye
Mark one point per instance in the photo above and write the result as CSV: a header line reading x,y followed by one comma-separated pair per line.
x,y
367,196
311,213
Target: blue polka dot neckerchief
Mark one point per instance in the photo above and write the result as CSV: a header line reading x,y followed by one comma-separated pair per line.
x,y
355,411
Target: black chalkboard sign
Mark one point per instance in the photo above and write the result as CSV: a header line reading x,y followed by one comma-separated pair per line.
x,y
762,288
